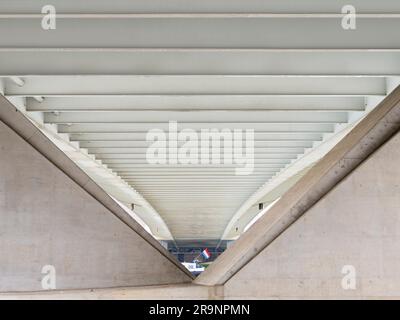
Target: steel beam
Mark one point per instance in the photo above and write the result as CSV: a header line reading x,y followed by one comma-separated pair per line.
x,y
178,85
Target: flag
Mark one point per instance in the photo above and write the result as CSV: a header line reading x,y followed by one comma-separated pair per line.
x,y
206,254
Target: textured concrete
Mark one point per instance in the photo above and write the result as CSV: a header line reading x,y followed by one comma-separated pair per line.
x,y
368,135
48,219
167,292
357,223
33,135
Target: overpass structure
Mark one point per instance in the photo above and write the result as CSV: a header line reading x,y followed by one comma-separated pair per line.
x,y
79,193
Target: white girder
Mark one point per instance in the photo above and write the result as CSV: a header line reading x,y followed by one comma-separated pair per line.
x,y
234,61
267,33
197,85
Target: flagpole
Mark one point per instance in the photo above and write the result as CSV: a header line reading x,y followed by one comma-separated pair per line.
x,y
197,257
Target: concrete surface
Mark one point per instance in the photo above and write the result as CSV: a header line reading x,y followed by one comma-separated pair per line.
x,y
357,224
15,119
370,133
166,292
48,219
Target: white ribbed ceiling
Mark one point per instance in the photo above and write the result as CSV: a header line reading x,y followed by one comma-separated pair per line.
x,y
112,70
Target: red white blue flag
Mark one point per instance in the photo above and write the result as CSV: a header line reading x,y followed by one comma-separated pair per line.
x,y
206,254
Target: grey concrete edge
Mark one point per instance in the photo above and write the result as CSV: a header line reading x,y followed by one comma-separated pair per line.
x,y
154,292
17,121
365,138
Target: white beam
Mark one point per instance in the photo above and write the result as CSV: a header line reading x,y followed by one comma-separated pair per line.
x,y
195,172
119,156
195,175
152,186
193,15
144,162
200,116
138,131
144,150
230,172
199,102
220,33
122,167
197,85
143,144
152,61
204,6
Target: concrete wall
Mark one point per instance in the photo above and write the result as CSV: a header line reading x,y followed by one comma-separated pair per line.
x,y
357,223
47,219
167,292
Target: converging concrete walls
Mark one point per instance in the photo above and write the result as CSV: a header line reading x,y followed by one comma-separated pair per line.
x,y
47,219
355,227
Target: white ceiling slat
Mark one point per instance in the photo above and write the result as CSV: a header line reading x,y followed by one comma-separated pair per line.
x,y
208,178
257,156
144,150
195,173
196,85
204,6
201,116
142,144
138,130
177,33
144,162
210,167
197,102
131,136
167,61
197,15
195,181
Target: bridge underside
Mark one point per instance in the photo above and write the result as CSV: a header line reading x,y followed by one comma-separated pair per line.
x,y
109,74
52,214
79,193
